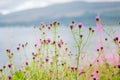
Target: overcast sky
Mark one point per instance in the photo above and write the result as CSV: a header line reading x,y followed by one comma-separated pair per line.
x,y
8,6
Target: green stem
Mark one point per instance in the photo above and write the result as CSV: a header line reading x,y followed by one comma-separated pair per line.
x,y
79,45
86,41
74,37
55,36
78,62
94,61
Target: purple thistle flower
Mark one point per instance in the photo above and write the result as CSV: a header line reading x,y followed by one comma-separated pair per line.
x,y
94,78
119,66
48,40
35,45
97,18
73,68
46,59
54,23
80,25
42,23
26,63
116,39
49,27
71,26
23,45
33,53
44,41
59,44
9,65
18,48
9,77
98,50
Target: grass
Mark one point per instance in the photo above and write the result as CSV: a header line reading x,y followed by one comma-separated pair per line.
x,y
52,59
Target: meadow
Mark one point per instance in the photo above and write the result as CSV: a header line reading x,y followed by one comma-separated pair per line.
x,y
53,58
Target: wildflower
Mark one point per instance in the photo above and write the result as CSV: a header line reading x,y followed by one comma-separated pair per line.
x,y
97,18
33,53
23,45
90,65
101,48
42,26
81,36
8,50
98,50
97,60
63,64
97,72
4,67
43,33
119,66
92,75
9,65
33,58
9,77
49,27
80,25
1,70
54,23
93,31
71,26
42,23
48,40
58,23
98,25
94,78
73,22
44,41
46,59
26,43
26,63
35,45
59,44
73,67
53,42
116,39
90,28
106,39
18,48
66,49
50,24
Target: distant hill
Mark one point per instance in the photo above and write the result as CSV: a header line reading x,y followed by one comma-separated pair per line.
x,y
79,11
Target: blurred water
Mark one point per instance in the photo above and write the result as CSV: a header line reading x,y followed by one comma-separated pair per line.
x,y
11,37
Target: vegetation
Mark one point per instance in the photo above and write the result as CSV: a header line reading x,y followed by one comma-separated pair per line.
x,y
54,61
